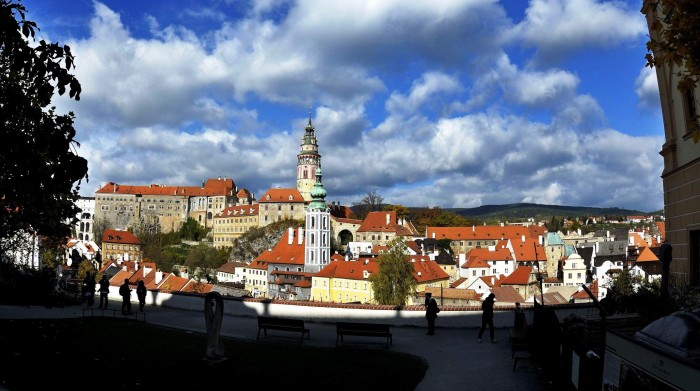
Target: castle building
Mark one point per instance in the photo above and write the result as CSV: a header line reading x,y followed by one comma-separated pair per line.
x,y
169,207
308,161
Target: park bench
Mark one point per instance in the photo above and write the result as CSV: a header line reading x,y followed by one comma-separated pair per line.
x,y
363,329
282,324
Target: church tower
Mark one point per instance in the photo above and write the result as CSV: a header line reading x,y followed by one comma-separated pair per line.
x,y
317,251
308,161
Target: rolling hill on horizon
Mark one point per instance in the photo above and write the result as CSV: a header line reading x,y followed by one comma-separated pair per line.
x,y
526,210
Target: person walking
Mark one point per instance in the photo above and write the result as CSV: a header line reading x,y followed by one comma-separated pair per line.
x,y
487,318
125,292
141,294
431,311
104,292
89,289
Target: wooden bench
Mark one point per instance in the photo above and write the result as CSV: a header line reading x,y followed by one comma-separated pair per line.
x,y
282,324
364,330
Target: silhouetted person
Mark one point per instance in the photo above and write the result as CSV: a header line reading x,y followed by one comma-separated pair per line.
x,y
431,311
487,317
141,294
125,292
104,292
89,289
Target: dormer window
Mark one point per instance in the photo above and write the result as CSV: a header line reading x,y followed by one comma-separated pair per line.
x,y
291,198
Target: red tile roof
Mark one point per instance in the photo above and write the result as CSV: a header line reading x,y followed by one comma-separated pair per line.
x,y
384,222
352,270
282,196
646,255
479,232
520,276
118,236
283,252
528,251
213,186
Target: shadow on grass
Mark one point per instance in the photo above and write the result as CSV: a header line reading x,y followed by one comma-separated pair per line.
x,y
109,353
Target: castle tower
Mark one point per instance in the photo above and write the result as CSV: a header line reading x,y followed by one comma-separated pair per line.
x,y
308,161
317,252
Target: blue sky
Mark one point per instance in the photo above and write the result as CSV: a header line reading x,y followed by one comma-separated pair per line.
x,y
443,103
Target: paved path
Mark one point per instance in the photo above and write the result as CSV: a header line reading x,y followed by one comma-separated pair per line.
x,y
456,361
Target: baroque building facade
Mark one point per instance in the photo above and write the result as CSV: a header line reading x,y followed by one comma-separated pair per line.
x,y
681,153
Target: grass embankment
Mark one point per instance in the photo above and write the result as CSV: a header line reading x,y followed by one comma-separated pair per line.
x,y
114,353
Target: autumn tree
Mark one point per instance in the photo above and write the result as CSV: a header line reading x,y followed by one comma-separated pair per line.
x,y
402,212
40,172
205,258
674,27
394,283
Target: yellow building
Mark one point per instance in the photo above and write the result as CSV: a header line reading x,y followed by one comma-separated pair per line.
x,y
233,222
348,281
120,246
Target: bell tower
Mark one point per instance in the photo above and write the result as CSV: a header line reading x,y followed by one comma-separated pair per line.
x,y
317,251
308,161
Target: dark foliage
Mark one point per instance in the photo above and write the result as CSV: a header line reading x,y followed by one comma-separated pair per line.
x,y
40,172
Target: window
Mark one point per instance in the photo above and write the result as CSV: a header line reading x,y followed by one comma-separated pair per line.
x,y
494,271
483,272
571,275
578,275
474,273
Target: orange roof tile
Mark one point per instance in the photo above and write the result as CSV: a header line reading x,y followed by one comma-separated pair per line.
x,y
118,236
283,252
520,276
479,232
282,196
384,222
211,187
646,255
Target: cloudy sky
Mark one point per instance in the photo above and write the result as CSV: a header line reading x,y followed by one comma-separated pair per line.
x,y
450,103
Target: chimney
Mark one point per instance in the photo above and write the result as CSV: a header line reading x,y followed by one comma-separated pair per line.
x,y
433,235
136,266
159,277
523,238
493,280
290,236
473,228
541,240
300,239
419,274
115,188
388,218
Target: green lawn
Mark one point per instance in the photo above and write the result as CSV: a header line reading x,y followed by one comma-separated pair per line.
x,y
114,353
